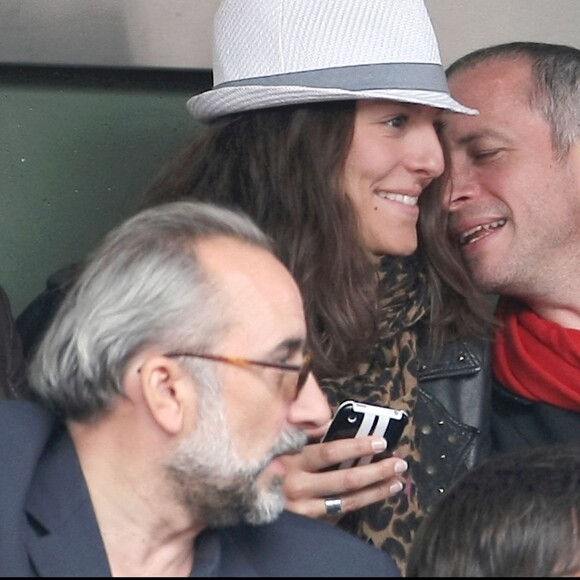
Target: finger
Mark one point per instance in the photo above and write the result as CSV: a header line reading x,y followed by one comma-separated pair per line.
x,y
302,487
317,508
379,492
350,480
324,455
308,475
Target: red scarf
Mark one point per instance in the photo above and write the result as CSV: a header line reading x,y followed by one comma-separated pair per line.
x,y
536,358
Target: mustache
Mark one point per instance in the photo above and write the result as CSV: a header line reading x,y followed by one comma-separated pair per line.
x,y
290,441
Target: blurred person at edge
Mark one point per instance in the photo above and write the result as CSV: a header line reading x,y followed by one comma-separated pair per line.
x,y
13,383
168,388
516,514
322,125
515,213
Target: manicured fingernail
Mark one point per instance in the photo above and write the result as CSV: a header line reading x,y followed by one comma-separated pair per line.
x,y
401,466
396,487
379,444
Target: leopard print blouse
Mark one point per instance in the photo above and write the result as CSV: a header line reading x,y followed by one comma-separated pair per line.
x,y
389,377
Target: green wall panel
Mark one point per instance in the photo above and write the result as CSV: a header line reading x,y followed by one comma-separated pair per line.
x,y
77,149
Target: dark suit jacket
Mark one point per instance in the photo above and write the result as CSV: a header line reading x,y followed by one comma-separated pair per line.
x,y
48,526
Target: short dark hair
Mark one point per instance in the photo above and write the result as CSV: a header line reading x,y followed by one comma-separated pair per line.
x,y
516,514
555,75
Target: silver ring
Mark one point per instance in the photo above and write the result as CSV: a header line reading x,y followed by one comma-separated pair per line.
x,y
333,506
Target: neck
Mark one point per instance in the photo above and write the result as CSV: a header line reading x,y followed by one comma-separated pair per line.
x,y
566,314
145,529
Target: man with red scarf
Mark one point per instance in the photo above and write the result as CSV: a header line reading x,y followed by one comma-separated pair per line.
x,y
514,207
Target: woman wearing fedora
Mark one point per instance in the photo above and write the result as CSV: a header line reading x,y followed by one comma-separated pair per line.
x,y
322,125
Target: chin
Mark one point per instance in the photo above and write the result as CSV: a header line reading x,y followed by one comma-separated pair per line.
x,y
269,504
394,250
402,247
268,508
400,252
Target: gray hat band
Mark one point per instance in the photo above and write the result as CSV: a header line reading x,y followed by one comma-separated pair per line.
x,y
364,77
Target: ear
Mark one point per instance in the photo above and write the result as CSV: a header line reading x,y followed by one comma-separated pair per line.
x,y
169,393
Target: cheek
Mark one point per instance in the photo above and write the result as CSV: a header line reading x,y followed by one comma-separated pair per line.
x,y
255,423
514,186
369,159
368,164
361,182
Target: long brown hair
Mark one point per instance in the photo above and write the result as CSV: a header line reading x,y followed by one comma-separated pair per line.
x,y
457,308
284,168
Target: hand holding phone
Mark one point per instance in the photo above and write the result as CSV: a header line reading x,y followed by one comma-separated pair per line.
x,y
354,419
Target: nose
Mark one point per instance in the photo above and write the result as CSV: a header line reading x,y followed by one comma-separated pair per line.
x,y
310,411
426,153
461,186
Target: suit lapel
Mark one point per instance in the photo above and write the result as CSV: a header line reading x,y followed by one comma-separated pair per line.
x,y
65,540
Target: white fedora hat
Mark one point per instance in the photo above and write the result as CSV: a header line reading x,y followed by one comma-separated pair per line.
x,y
270,53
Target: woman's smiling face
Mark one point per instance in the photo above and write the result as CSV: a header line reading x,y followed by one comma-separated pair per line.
x,y
395,153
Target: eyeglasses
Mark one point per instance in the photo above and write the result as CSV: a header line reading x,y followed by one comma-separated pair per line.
x,y
303,370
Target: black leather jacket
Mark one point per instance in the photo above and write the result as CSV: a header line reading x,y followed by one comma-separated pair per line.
x,y
452,415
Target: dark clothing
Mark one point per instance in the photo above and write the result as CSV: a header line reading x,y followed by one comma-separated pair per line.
x,y
48,526
536,384
35,319
452,415
449,427
518,423
13,382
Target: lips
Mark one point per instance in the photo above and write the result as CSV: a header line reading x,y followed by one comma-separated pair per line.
x,y
480,231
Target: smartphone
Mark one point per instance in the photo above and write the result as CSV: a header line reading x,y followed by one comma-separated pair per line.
x,y
354,419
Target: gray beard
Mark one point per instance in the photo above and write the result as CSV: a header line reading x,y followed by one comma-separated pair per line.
x,y
216,486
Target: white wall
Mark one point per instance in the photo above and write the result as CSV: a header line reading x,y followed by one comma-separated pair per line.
x,y
177,33
463,25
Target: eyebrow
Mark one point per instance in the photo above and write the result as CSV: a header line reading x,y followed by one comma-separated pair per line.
x,y
476,135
